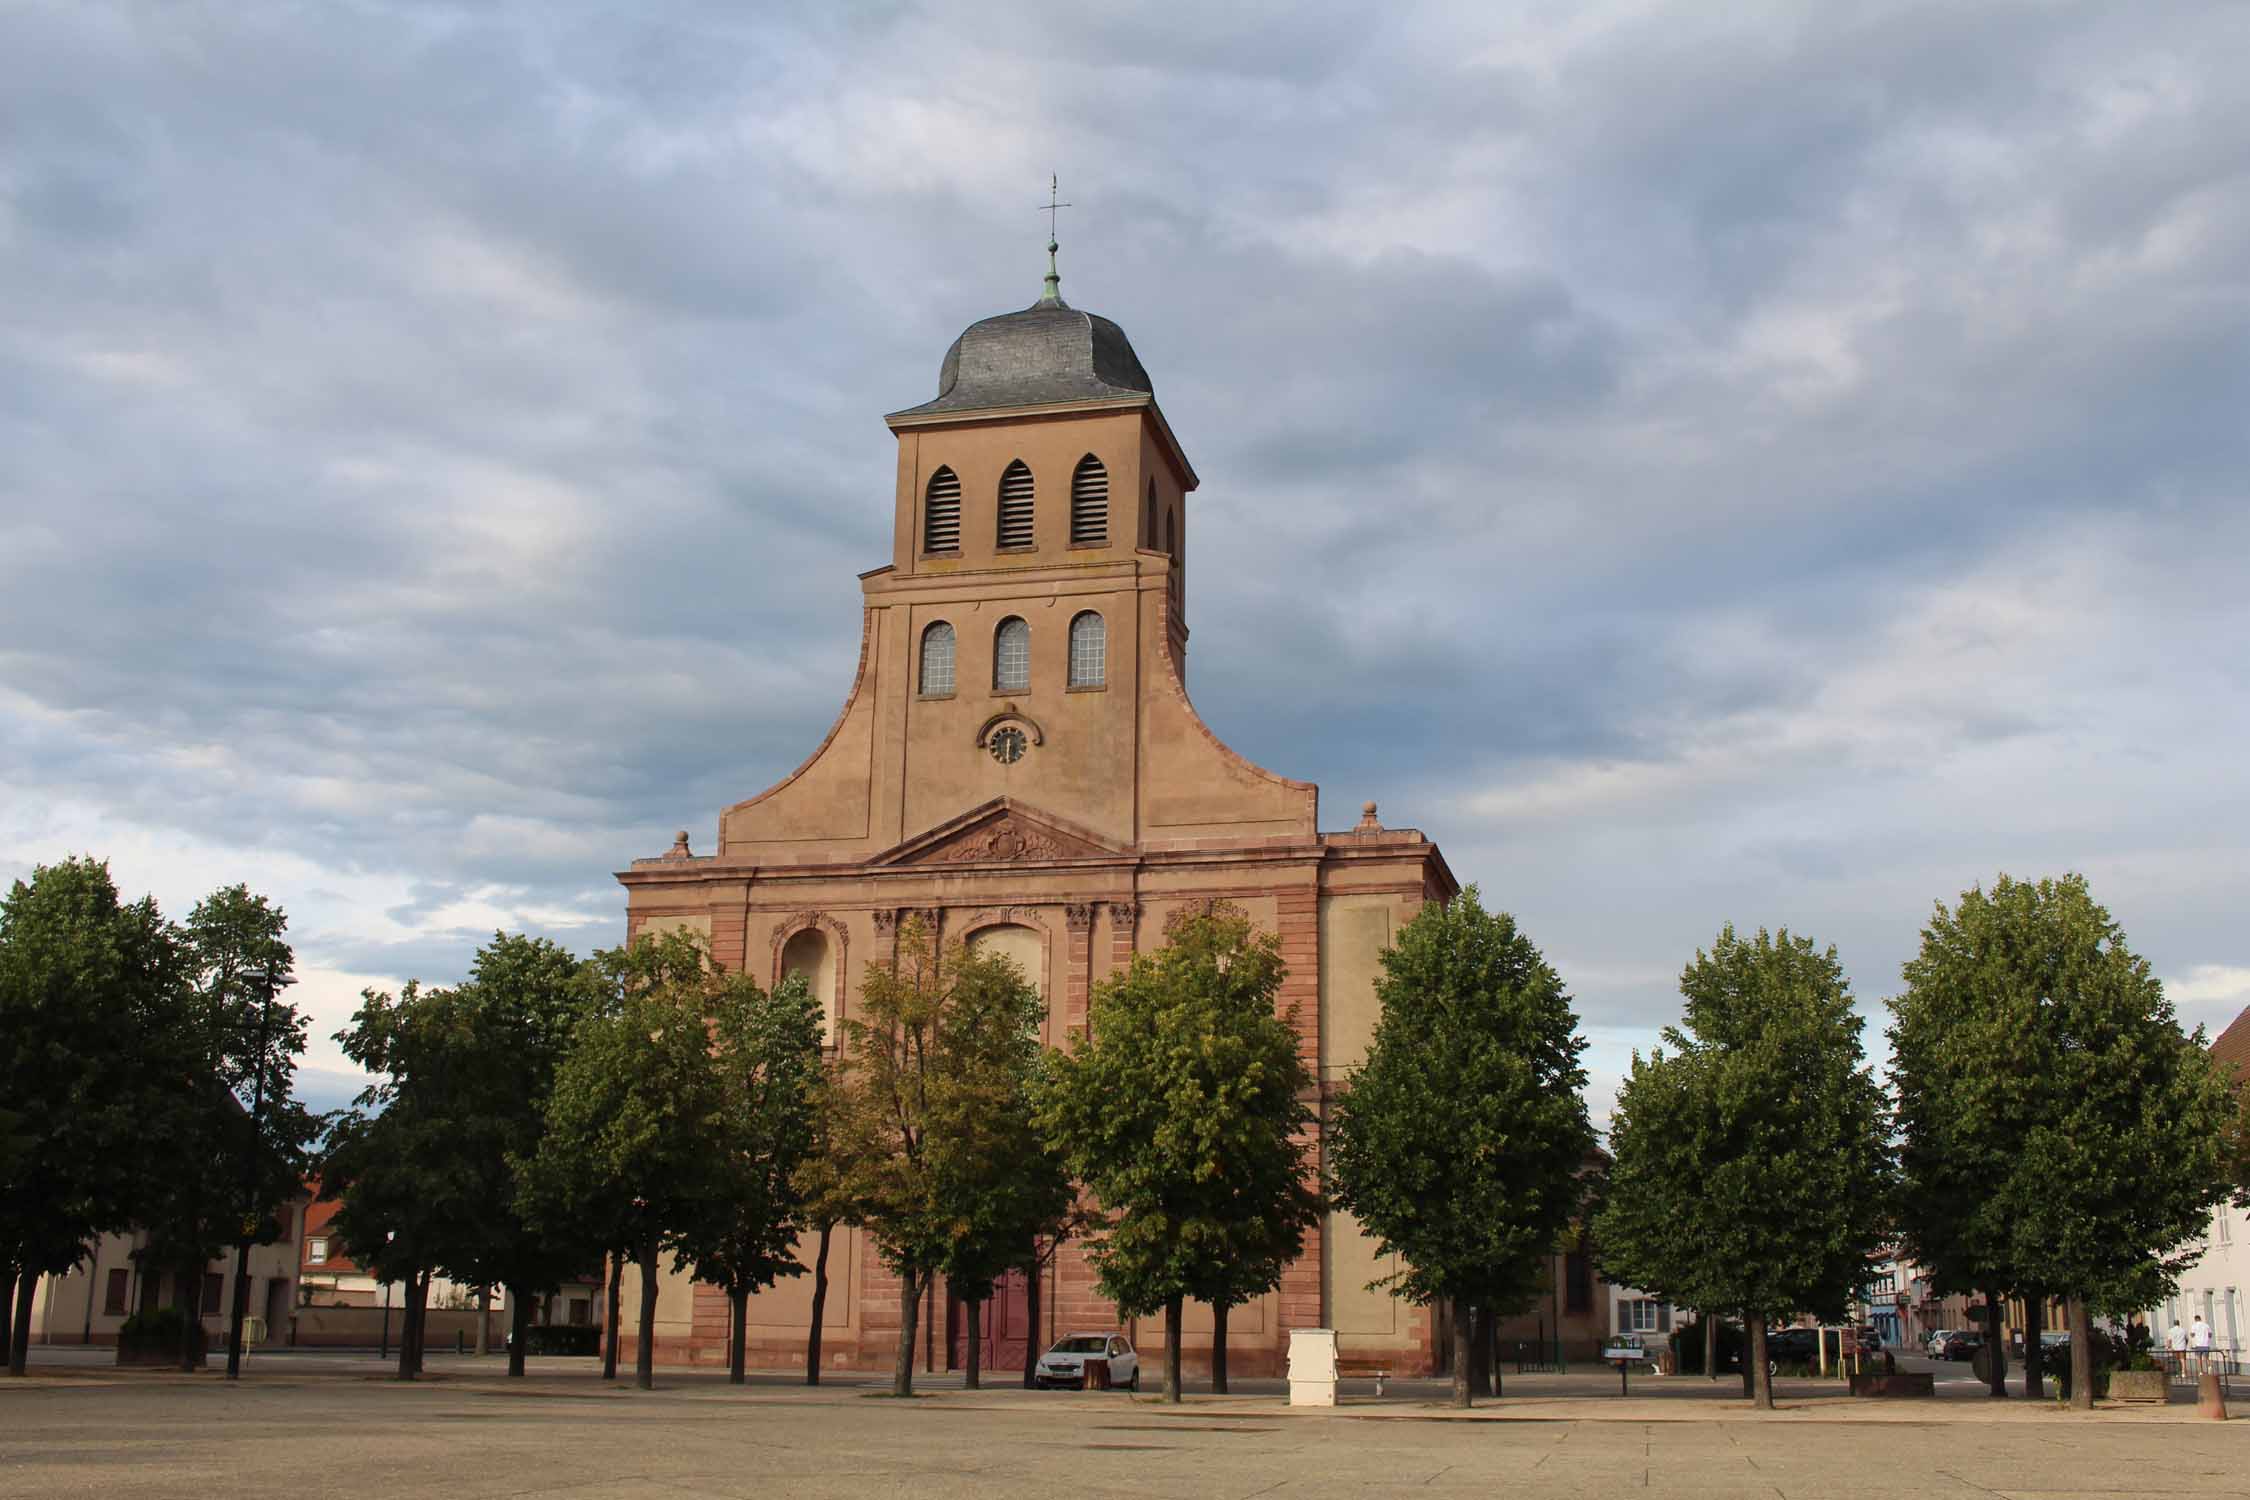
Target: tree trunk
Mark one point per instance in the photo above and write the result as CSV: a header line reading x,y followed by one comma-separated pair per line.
x,y
1480,1358
405,1369
909,1323
1031,1348
2081,1356
1172,1349
1761,1377
738,1337
644,1344
1219,1311
609,1344
1710,1347
484,1320
519,1329
1996,1353
8,1317
819,1306
1464,1320
1749,1375
972,1331
2034,1357
19,1331
1488,1342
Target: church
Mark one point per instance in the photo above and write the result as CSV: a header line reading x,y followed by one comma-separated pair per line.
x,y
1018,762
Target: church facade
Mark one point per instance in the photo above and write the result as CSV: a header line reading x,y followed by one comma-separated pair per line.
x,y
1018,762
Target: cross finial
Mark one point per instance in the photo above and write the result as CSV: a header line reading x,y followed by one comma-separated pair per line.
x,y
1052,297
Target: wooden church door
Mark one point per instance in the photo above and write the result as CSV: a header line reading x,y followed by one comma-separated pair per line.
x,y
1003,1326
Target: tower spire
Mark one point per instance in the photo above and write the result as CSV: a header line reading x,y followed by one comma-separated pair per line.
x,y
1052,296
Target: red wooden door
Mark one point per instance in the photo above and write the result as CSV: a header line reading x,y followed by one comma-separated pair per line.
x,y
1003,1327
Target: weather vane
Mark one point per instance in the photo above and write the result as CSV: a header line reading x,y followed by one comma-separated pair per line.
x,y
1054,277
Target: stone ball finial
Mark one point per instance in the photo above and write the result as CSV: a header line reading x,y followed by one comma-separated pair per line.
x,y
1368,822
679,849
1367,809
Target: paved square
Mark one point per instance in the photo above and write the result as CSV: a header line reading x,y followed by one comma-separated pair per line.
x,y
324,1425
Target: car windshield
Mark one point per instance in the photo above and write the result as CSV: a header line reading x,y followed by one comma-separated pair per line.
x,y
1084,1344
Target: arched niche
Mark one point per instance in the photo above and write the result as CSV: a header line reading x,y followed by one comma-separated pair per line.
x,y
1019,935
815,945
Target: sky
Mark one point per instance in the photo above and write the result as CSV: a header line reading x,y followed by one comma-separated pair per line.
x,y
1768,464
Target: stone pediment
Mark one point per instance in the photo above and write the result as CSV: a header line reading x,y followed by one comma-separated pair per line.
x,y
1000,831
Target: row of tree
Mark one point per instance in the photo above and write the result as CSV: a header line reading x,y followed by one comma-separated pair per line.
x,y
2050,1131
147,1075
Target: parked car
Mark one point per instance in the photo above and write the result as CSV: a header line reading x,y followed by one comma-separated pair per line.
x,y
1870,1339
1936,1341
1960,1344
1791,1346
1065,1363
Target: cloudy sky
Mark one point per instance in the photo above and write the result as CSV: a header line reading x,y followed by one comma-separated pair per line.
x,y
1768,463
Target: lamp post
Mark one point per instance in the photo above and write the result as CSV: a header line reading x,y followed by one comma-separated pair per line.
x,y
266,981
388,1236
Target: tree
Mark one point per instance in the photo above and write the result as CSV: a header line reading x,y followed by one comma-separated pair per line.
x,y
939,1045
496,1042
826,1202
1184,1113
1789,1154
632,1146
234,1144
1460,1142
91,1049
2052,1109
765,1058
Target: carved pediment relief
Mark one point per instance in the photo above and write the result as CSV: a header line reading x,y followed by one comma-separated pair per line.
x,y
997,832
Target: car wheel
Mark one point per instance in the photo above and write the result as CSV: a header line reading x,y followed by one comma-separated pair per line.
x,y
1135,1383
1773,1368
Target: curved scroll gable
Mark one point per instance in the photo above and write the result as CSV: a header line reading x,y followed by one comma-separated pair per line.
x,y
1279,799
765,805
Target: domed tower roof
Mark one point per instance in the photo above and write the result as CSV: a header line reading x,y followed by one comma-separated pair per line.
x,y
1047,353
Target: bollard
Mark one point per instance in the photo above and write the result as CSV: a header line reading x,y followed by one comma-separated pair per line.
x,y
2210,1399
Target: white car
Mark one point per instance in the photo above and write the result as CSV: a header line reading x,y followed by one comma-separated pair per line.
x,y
1065,1364
1936,1341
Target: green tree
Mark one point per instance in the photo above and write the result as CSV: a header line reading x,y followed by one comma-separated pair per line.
x,y
826,1204
1791,1157
765,1055
91,1049
2037,1059
236,1144
497,1041
938,1047
633,1145
1461,1140
1184,1113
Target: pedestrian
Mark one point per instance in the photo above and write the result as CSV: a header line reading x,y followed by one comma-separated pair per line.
x,y
2199,1339
2175,1348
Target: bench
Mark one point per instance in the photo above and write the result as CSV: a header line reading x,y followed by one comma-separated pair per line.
x,y
1362,1367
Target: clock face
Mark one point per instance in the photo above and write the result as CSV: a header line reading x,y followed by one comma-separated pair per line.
x,y
1008,745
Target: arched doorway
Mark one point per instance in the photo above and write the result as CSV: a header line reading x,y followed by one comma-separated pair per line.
x,y
1002,1323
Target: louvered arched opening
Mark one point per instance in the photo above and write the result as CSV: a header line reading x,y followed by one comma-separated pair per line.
x,y
941,513
1015,506
1089,503
1148,518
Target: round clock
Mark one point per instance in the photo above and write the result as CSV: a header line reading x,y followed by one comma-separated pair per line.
x,y
1008,745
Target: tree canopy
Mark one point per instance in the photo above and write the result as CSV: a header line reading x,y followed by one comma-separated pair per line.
x,y
1184,1112
1460,1142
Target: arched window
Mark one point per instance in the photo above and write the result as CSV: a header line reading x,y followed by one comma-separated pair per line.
x,y
1089,503
1089,650
1015,506
1011,657
941,513
937,660
1148,519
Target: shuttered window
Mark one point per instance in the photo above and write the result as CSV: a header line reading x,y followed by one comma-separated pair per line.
x,y
1011,657
937,660
1089,650
1089,503
1015,506
941,513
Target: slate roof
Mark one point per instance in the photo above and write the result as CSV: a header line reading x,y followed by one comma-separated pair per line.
x,y
1049,352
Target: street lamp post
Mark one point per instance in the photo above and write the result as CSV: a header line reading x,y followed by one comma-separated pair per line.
x,y
265,980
